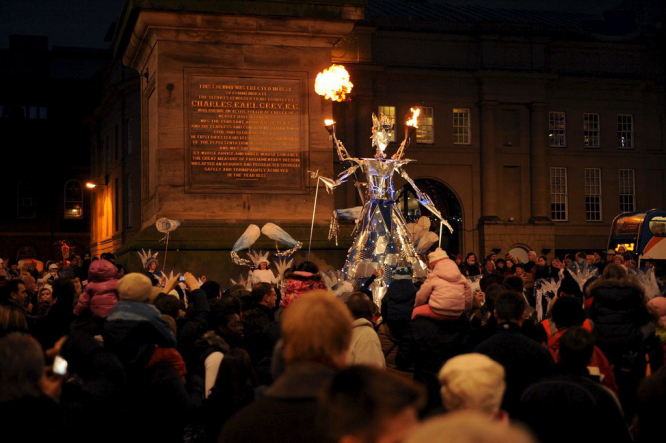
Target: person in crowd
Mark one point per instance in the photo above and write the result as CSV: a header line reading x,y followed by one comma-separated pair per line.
x,y
500,266
524,360
134,328
468,427
446,294
30,288
57,322
234,389
509,267
14,293
473,381
305,278
152,265
111,257
618,259
531,261
471,266
257,317
489,268
50,276
622,325
44,301
528,278
316,334
569,396
101,294
28,394
398,303
13,270
610,256
365,348
542,270
651,410
366,405
566,313
12,319
212,289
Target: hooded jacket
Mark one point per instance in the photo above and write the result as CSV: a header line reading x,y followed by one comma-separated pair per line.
x,y
446,290
101,294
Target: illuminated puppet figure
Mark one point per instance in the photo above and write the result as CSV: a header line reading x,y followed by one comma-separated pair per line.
x,y
381,236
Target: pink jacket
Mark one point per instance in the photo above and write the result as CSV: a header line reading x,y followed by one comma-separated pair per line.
x,y
101,293
446,290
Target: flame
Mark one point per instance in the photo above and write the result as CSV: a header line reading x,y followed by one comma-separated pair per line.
x,y
329,122
415,115
333,83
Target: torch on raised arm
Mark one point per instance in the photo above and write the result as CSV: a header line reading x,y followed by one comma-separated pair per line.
x,y
410,129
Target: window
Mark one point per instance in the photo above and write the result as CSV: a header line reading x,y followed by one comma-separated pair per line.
x,y
593,194
557,126
627,191
591,130
73,199
558,194
625,131
461,127
389,112
26,199
425,133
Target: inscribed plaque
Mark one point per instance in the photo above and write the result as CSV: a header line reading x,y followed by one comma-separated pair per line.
x,y
245,132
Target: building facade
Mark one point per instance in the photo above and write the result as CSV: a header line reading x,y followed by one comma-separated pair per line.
x,y
536,130
46,95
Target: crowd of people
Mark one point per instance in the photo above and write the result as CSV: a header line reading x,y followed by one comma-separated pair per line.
x,y
90,351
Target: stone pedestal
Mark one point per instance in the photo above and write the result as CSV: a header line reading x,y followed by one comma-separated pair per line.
x,y
231,124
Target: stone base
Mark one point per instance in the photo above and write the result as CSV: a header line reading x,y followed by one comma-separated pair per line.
x,y
204,249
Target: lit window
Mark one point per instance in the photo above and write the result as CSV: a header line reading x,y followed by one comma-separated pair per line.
x,y
389,112
591,130
26,199
627,191
461,127
425,133
557,126
558,194
593,194
625,131
73,199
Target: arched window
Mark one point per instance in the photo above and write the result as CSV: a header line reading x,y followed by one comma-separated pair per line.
x,y
26,199
445,201
73,199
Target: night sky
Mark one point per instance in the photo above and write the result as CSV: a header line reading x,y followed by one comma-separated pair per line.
x,y
84,23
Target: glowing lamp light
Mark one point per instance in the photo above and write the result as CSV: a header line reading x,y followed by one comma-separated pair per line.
x,y
329,122
333,83
91,185
415,115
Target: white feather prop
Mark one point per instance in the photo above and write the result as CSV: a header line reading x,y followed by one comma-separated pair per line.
x,y
582,274
276,233
282,264
649,282
145,256
475,283
247,239
544,291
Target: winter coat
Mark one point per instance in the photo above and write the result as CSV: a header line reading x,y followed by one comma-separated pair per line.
x,y
426,345
397,305
524,360
133,330
618,312
101,294
446,290
365,348
287,412
298,283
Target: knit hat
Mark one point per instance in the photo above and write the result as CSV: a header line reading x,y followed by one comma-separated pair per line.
x,y
437,255
135,287
402,273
